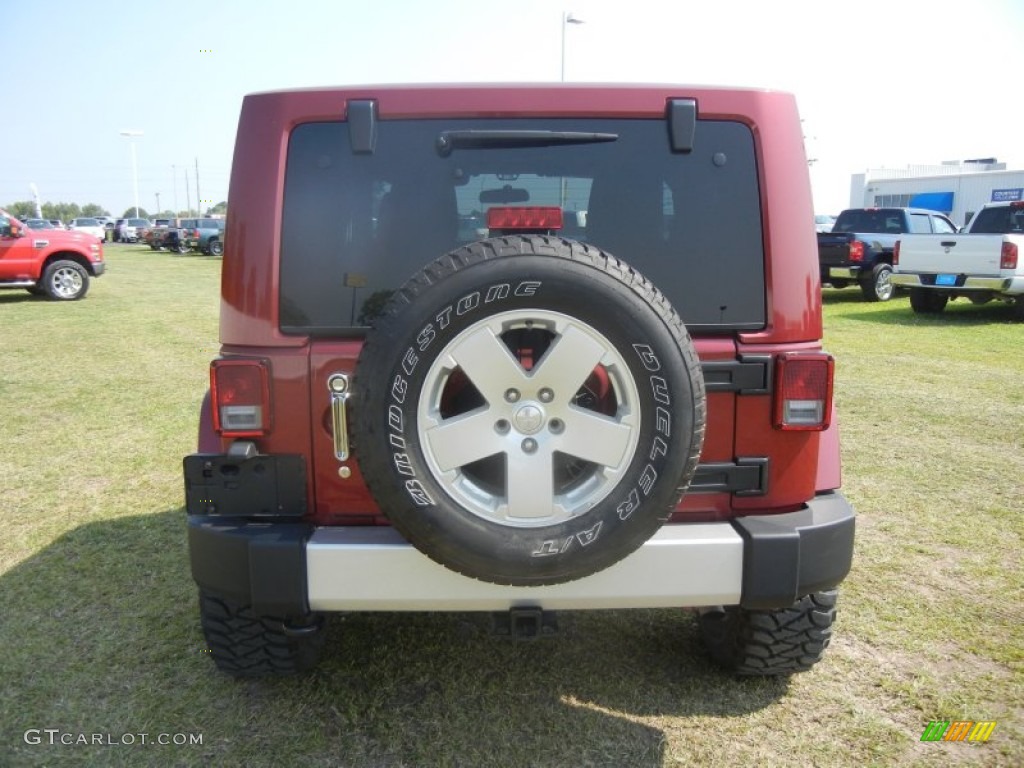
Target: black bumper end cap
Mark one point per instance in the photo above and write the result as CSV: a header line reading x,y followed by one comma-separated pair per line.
x,y
793,554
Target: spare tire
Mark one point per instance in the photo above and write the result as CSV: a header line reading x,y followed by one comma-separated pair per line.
x,y
528,410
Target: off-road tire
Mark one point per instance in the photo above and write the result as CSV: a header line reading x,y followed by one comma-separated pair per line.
x,y
771,642
215,248
877,286
65,280
565,491
926,302
243,644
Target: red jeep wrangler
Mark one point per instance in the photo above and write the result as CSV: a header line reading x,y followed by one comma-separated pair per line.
x,y
519,349
55,263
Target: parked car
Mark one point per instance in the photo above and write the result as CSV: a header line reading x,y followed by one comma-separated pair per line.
x,y
48,262
858,250
127,230
982,264
204,235
39,224
88,224
410,415
154,235
57,224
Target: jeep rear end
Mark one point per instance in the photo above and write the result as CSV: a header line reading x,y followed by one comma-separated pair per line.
x,y
493,348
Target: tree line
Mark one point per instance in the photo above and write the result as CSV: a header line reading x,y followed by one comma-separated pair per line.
x,y
26,209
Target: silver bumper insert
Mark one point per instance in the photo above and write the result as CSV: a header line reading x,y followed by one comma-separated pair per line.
x,y
375,569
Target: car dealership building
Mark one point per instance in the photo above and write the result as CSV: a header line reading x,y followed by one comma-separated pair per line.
x,y
957,188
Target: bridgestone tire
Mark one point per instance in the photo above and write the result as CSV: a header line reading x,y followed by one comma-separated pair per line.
x,y
243,644
528,410
878,286
926,302
771,642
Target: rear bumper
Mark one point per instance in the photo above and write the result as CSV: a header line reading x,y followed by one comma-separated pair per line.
x,y
996,284
847,273
288,569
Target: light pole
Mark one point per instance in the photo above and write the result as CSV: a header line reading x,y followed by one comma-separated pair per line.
x,y
132,134
567,19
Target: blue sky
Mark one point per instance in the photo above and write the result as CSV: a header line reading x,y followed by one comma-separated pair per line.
x,y
879,84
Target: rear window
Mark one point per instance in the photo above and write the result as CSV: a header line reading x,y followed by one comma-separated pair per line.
x,y
874,220
1003,220
356,226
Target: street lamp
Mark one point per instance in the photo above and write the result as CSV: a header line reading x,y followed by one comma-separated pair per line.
x,y
567,18
132,134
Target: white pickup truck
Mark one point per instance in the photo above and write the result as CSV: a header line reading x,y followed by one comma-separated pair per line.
x,y
980,264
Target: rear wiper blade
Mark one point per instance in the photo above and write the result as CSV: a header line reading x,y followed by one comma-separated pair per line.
x,y
448,141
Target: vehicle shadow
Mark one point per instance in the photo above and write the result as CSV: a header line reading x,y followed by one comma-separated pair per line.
x,y
102,636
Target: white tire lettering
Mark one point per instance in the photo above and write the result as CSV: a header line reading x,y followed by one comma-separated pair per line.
x,y
418,493
399,389
497,292
467,303
647,357
409,361
527,288
628,507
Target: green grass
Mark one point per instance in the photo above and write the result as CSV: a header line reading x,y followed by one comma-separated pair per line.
x,y
99,628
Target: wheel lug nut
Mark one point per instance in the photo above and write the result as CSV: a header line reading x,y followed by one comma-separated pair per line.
x,y
546,395
512,395
529,445
501,426
557,426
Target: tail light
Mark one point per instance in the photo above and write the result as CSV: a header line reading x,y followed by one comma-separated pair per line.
x,y
1008,256
856,251
240,390
896,254
803,391
524,217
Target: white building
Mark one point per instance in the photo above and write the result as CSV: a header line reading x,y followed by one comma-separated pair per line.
x,y
957,188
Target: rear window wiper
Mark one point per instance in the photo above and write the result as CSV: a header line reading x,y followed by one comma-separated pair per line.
x,y
448,141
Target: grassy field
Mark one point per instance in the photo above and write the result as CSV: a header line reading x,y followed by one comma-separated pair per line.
x,y
99,627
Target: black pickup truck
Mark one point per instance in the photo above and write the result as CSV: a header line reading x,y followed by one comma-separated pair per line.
x,y
859,247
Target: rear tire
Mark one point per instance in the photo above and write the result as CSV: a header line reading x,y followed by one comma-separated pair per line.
x,y
878,285
771,642
926,302
216,248
244,644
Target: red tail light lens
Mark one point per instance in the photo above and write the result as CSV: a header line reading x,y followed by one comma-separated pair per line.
x,y
803,391
1008,256
529,217
240,390
856,251
896,254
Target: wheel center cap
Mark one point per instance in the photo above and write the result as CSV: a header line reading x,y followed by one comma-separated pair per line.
x,y
528,419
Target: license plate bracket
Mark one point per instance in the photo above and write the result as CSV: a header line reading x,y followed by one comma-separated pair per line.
x,y
261,486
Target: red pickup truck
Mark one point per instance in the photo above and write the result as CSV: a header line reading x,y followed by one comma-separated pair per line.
x,y
48,262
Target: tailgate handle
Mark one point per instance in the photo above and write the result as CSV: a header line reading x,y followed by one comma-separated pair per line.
x,y
337,385
948,243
